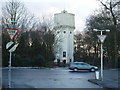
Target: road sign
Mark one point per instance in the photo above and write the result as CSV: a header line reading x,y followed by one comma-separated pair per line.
x,y
102,37
12,33
11,46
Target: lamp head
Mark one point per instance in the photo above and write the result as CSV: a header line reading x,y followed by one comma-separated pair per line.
x,y
95,30
107,30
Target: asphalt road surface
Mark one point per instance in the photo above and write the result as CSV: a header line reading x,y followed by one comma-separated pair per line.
x,y
48,78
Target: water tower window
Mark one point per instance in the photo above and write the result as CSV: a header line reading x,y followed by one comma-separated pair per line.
x,y
58,32
64,54
70,32
64,31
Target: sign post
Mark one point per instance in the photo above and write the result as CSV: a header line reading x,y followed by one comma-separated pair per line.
x,y
102,38
11,46
9,73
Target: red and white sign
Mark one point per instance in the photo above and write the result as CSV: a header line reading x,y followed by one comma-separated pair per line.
x,y
12,33
102,37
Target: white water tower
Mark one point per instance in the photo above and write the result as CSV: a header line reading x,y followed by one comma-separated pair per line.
x,y
64,36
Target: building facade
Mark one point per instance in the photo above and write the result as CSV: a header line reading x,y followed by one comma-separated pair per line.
x,y
64,37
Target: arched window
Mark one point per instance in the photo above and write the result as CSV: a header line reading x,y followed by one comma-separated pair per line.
x,y
64,54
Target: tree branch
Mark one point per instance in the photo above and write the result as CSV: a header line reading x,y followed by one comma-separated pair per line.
x,y
117,3
104,5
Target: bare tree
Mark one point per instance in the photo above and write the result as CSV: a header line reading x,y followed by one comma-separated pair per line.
x,y
112,7
15,13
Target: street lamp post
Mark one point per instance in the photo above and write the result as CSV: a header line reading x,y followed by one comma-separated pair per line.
x,y
102,40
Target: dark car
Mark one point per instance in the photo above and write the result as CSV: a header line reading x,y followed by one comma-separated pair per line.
x,y
75,66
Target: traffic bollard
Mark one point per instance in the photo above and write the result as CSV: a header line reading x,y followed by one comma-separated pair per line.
x,y
96,74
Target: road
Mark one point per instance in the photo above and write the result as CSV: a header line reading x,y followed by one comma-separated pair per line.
x,y
48,78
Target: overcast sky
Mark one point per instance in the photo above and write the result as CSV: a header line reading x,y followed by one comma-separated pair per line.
x,y
81,8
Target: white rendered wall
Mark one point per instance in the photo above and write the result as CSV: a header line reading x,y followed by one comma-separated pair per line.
x,y
66,19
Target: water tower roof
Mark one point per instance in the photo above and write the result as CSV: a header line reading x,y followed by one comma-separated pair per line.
x,y
64,11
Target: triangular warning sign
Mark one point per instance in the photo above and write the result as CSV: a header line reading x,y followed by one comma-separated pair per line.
x,y
12,33
102,37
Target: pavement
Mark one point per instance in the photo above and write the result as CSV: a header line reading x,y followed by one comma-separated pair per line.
x,y
110,79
